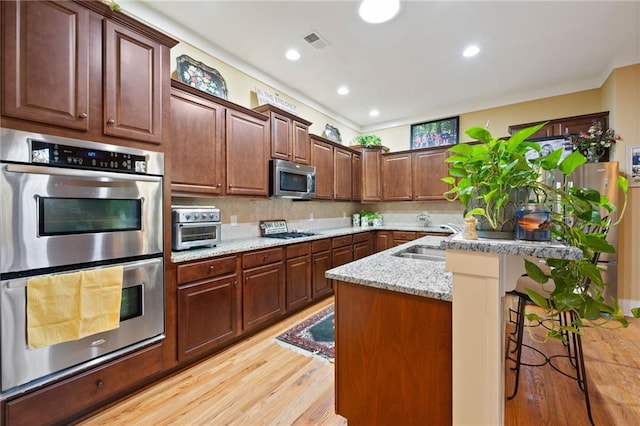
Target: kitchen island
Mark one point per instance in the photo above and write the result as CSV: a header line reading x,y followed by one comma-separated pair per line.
x,y
421,341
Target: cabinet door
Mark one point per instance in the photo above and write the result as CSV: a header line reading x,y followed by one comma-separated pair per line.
x,y
371,170
574,125
322,159
341,255
301,143
320,285
396,177
356,177
342,174
247,147
263,295
298,281
429,168
362,249
384,240
45,63
207,315
280,136
195,144
133,85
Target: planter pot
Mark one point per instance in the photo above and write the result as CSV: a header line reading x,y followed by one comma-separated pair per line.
x,y
506,221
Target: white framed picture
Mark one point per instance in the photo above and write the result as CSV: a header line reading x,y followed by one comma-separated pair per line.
x,y
633,162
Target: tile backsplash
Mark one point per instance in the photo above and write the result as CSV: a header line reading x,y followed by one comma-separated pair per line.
x,y
310,215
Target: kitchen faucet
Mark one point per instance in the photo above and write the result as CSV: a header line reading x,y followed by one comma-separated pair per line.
x,y
456,229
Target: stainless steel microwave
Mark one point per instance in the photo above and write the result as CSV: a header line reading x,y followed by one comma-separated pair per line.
x,y
292,180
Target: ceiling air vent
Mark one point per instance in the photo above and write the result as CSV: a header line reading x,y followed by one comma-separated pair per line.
x,y
316,40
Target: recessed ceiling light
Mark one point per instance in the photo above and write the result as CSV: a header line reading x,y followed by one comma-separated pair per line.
x,y
470,51
292,55
343,90
378,11
374,113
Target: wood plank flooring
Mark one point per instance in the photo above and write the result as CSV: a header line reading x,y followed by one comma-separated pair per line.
x,y
259,382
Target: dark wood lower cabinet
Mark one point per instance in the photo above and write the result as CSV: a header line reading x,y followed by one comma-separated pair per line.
x,y
72,398
207,315
386,374
263,294
298,270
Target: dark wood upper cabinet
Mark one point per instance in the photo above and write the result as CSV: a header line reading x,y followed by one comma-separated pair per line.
x,y
397,177
196,144
45,63
133,85
342,174
565,126
247,150
322,159
356,177
429,167
289,135
80,70
371,174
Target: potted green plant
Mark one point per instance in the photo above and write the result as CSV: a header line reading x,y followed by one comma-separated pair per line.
x,y
484,177
367,141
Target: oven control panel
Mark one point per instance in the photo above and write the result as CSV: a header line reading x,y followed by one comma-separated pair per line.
x,y
95,159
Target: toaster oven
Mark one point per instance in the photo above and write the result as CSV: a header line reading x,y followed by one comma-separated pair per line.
x,y
195,226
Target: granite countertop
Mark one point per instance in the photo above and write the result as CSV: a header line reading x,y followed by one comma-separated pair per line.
x,y
389,272
256,243
427,278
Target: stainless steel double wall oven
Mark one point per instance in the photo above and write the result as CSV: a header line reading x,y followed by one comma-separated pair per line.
x,y
70,205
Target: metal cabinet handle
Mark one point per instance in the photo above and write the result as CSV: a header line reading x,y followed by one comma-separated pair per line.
x,y
212,268
235,282
111,121
82,115
230,186
99,384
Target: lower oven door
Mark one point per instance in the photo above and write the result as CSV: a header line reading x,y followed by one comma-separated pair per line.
x,y
141,323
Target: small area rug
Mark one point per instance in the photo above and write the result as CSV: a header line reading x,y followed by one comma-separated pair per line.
x,y
314,335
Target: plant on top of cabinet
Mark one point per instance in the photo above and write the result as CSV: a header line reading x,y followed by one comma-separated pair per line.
x,y
367,140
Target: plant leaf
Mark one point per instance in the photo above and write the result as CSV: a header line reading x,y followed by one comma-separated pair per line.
x,y
479,133
534,272
571,162
635,312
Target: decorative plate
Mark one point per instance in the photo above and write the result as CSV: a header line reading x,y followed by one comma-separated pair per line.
x,y
332,133
202,77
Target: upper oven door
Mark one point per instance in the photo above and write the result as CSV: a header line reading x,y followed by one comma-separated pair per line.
x,y
53,216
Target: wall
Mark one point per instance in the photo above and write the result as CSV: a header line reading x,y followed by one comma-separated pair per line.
x,y
242,87
499,119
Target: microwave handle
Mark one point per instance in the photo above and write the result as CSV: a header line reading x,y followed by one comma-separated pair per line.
x,y
82,174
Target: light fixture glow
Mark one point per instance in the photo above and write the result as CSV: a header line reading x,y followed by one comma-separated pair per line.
x,y
343,90
470,51
292,55
374,113
378,11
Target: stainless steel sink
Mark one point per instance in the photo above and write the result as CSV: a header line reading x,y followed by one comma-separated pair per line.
x,y
423,253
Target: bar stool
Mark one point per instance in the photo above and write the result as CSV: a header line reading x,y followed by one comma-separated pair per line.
x,y
572,341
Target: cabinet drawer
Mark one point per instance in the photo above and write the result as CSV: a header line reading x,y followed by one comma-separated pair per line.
x,y
262,257
404,235
362,236
73,397
321,245
296,250
206,269
341,241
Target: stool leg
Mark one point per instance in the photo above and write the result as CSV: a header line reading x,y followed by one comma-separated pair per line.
x,y
581,372
520,325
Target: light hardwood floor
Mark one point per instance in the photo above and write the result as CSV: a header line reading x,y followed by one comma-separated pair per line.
x,y
260,382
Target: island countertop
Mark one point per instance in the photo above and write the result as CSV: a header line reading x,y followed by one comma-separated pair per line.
x,y
426,278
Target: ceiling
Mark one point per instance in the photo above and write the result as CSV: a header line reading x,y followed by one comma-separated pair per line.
x,y
411,68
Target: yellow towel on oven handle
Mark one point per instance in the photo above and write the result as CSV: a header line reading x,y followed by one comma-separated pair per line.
x,y
66,307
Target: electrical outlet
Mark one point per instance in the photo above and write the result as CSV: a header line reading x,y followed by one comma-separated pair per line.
x,y
311,216
234,220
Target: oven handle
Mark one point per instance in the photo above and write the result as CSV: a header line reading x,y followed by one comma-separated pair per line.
x,y
126,267
104,176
